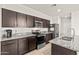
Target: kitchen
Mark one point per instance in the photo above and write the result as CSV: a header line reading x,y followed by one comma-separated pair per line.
x,y
25,29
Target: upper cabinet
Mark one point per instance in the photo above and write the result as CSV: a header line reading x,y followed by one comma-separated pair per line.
x,y
30,21
46,23
41,23
16,19
21,20
8,18
38,22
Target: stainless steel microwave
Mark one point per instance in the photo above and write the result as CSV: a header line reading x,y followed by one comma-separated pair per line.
x,y
38,24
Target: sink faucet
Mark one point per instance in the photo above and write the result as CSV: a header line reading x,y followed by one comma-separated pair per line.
x,y
73,35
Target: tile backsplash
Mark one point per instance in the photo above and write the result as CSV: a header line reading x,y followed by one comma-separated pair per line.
x,y
23,30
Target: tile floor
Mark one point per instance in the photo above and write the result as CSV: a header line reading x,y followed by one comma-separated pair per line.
x,y
43,51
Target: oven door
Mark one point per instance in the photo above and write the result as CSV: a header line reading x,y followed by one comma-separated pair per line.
x,y
40,45
40,42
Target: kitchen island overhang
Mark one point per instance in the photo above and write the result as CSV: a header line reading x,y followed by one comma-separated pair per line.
x,y
63,47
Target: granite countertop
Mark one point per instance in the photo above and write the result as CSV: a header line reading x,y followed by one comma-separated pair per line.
x,y
17,36
73,45
22,35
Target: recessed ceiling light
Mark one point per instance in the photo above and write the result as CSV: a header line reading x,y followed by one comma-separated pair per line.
x,y
58,10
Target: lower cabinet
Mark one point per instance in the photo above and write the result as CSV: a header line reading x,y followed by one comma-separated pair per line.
x,y
32,43
22,46
9,47
48,37
18,46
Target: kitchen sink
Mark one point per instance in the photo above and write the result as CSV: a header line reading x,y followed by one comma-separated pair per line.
x,y
67,38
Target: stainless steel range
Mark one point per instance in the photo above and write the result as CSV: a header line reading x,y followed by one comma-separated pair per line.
x,y
40,41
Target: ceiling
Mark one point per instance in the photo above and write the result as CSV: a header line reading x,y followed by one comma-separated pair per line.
x,y
51,10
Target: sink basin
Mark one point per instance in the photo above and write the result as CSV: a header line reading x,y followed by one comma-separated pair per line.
x,y
67,38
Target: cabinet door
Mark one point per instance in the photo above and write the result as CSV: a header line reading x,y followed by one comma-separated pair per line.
x,y
9,47
47,23
8,18
44,23
32,43
21,20
23,46
48,37
30,21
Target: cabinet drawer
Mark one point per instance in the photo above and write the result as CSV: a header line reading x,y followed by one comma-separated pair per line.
x,y
8,42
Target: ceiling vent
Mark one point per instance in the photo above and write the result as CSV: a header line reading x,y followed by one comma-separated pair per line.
x,y
53,5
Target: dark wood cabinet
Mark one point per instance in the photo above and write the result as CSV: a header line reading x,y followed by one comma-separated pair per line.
x,y
9,47
32,43
46,23
38,19
58,50
18,46
16,19
48,37
30,21
23,46
26,45
8,18
21,20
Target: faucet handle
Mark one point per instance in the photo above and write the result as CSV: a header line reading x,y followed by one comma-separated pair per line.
x,y
73,35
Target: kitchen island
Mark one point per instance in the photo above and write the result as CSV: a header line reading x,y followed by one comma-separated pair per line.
x,y
64,47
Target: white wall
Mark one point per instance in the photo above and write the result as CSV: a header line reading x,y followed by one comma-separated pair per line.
x,y
75,22
0,23
0,31
0,17
54,20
